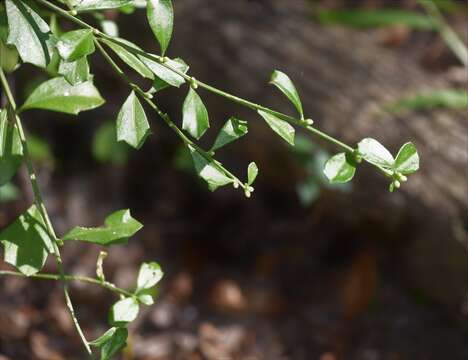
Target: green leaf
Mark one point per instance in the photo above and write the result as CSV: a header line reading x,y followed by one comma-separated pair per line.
x,y
8,57
75,44
58,95
195,116
375,153
109,27
252,172
281,127
130,59
118,227
232,130
90,5
105,145
145,297
149,275
132,124
29,33
161,19
407,159
26,242
101,340
123,312
116,343
376,18
208,171
179,64
75,72
9,192
165,74
340,168
39,150
286,86
11,149
447,98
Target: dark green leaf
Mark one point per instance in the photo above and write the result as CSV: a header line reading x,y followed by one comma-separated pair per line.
x,y
149,275
101,340
195,116
118,227
90,5
161,19
281,127
376,18
8,57
375,153
447,98
75,72
132,124
165,74
26,242
130,59
208,171
58,95
29,33
123,312
286,86
407,159
11,149
105,145
39,150
339,168
75,44
252,172
232,130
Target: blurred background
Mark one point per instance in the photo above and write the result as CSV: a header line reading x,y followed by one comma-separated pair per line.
x,y
302,270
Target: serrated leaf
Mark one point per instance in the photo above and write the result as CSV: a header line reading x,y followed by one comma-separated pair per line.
x,y
281,127
116,343
118,227
375,153
101,340
339,168
91,5
130,59
208,171
132,124
58,95
123,312
165,74
29,33
161,19
179,64
75,44
407,159
75,72
195,116
232,130
286,86
105,145
149,275
11,149
26,242
252,172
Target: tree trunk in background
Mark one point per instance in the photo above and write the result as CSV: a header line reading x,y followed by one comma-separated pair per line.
x,y
343,76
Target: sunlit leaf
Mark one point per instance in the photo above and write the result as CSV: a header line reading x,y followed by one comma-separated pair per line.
x,y
407,159
232,130
89,5
179,64
26,242
75,72
165,74
281,127
252,173
132,124
118,227
339,168
75,44
375,153
195,115
29,33
161,19
286,86
123,312
149,275
101,340
208,171
58,95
